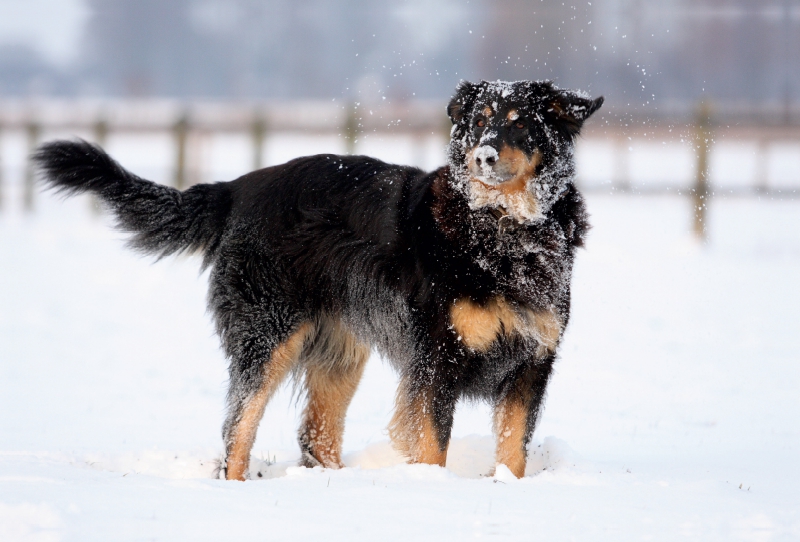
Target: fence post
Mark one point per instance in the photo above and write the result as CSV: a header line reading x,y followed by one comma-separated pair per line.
x,y
351,129
101,131
259,132
29,186
622,169
700,192
447,129
181,130
762,174
100,136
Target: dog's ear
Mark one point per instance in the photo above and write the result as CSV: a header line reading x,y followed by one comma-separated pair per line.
x,y
570,109
465,92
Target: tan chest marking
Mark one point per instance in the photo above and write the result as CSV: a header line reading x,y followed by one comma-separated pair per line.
x,y
478,326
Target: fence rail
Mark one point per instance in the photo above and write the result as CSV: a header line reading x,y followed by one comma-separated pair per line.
x,y
353,123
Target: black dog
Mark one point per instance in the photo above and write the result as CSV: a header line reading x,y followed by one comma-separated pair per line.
x,y
460,277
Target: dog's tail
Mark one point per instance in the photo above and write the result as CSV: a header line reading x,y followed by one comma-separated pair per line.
x,y
163,220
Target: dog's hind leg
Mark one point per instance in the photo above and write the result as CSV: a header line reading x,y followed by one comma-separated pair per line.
x,y
248,397
516,412
263,335
333,363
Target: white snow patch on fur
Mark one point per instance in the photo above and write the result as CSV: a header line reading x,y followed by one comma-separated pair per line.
x,y
522,206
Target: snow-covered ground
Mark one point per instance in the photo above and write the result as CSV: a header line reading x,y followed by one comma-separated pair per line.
x,y
673,412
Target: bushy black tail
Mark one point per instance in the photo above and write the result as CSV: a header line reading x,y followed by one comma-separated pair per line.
x,y
163,220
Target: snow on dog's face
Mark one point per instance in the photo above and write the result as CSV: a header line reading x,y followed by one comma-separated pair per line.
x,y
511,146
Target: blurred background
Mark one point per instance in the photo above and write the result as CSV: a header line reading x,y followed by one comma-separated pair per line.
x,y
702,96
665,55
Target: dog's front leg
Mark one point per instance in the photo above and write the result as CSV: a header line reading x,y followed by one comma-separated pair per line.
x,y
516,412
423,417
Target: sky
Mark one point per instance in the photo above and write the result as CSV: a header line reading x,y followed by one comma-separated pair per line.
x,y
51,27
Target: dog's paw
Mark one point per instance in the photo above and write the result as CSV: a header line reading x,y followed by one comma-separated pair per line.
x,y
220,471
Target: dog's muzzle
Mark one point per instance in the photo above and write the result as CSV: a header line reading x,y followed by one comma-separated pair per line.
x,y
486,156
485,165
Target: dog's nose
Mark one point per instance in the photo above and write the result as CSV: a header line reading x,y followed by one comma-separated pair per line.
x,y
490,160
486,155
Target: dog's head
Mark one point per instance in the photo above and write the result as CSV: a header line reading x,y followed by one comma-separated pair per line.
x,y
511,145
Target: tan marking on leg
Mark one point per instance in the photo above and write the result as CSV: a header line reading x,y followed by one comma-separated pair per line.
x,y
334,362
412,430
510,419
243,435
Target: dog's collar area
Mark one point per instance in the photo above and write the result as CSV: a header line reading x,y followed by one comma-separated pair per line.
x,y
505,221
498,212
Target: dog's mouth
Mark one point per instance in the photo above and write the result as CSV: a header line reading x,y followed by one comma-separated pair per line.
x,y
494,168
500,183
486,165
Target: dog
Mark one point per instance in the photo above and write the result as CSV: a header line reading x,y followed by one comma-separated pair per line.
x,y
459,277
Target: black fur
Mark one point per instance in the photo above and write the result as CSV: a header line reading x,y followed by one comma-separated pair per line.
x,y
386,249
163,220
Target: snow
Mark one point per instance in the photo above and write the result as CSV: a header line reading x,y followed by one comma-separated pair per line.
x,y
672,414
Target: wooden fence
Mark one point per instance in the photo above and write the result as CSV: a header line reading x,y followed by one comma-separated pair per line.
x,y
417,119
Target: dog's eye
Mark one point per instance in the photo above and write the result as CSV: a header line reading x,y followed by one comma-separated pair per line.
x,y
480,123
519,125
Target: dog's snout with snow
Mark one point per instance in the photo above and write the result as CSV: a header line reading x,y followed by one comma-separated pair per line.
x,y
486,164
484,160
